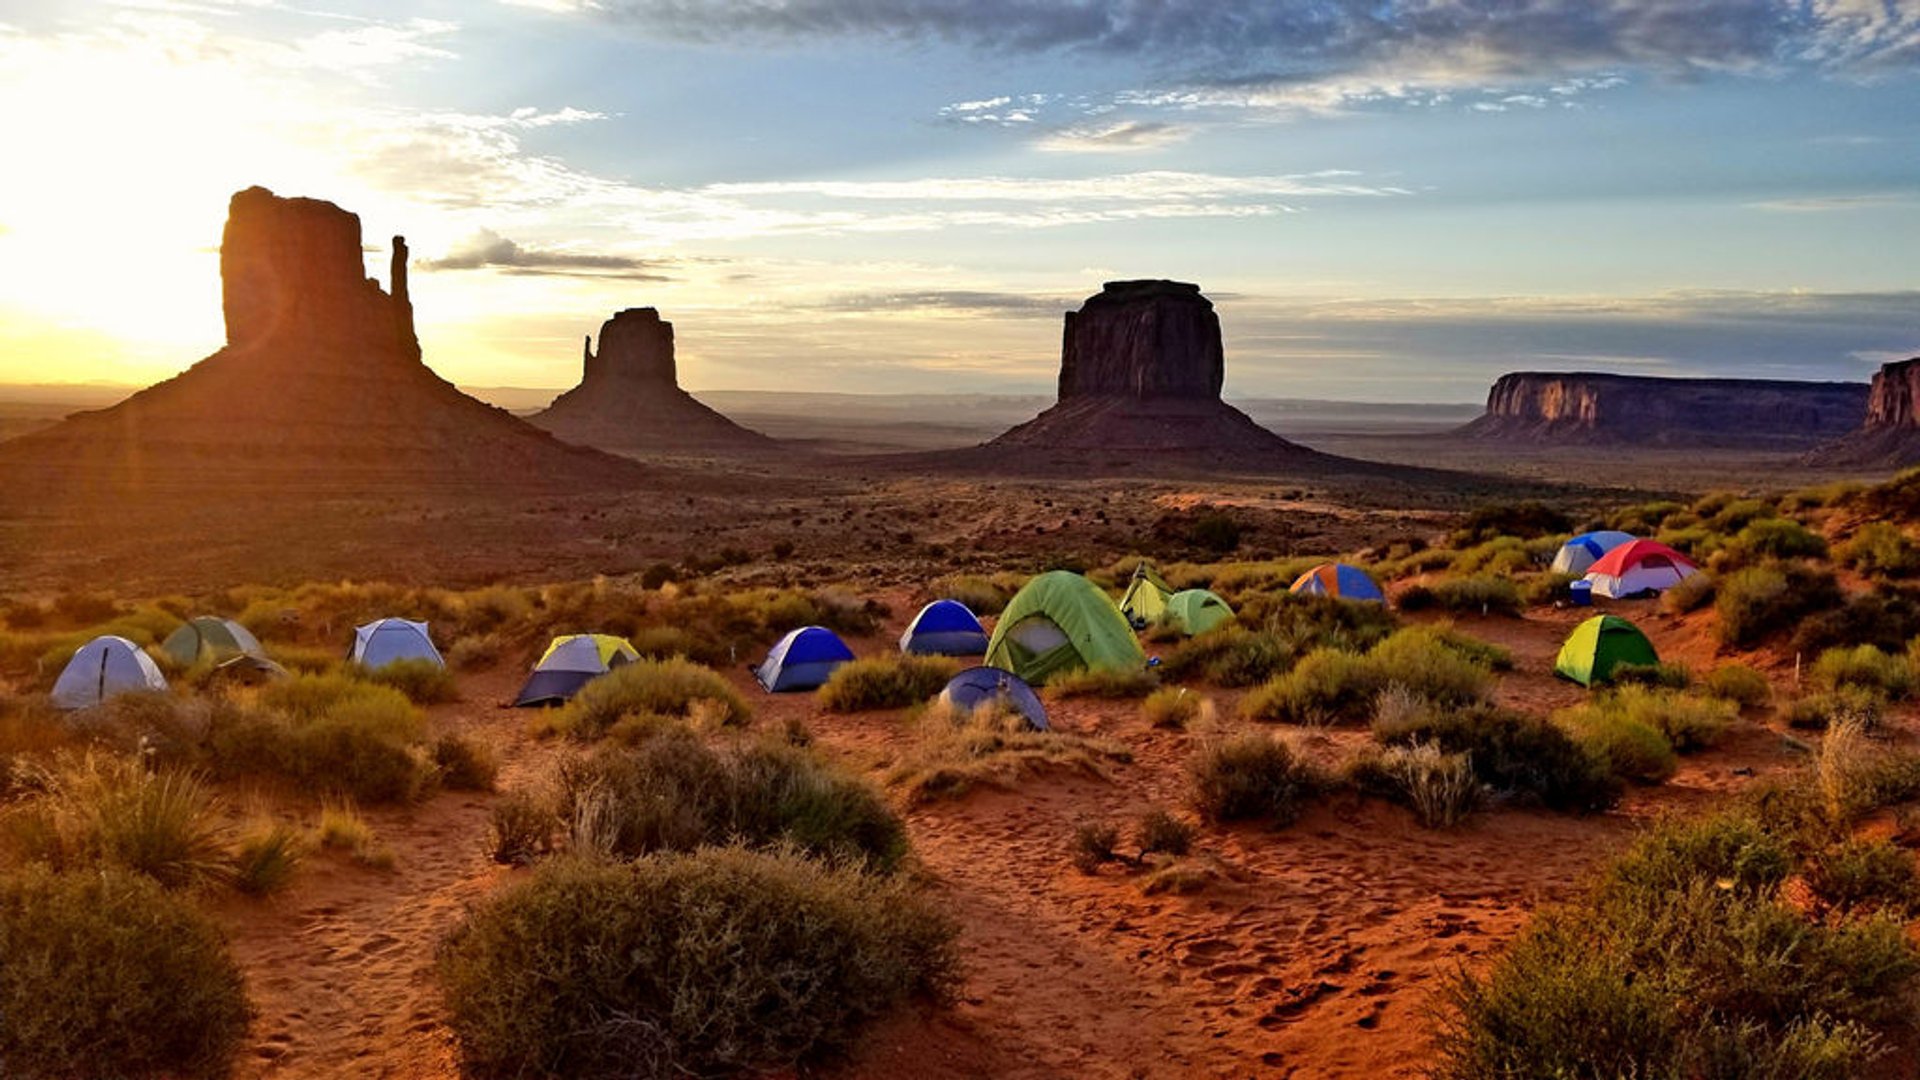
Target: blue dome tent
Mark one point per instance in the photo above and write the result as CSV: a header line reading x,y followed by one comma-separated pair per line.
x,y
802,660
979,686
1578,554
945,628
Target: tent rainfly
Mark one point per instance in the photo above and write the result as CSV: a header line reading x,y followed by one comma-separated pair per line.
x,y
570,663
803,660
102,668
389,641
1059,622
1640,568
944,628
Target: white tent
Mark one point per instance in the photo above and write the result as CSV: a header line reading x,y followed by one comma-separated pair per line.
x,y
1579,554
102,668
388,641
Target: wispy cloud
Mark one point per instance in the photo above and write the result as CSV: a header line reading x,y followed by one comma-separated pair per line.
x,y
1828,204
951,301
489,250
1120,137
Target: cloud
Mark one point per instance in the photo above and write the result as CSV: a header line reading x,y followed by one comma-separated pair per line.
x,y
1123,187
489,250
958,301
1122,137
1827,204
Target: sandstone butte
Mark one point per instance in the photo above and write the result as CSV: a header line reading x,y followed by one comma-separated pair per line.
x,y
1889,436
1141,368
1595,409
321,383
629,397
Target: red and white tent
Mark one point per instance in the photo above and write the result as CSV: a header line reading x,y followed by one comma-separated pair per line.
x,y
1638,567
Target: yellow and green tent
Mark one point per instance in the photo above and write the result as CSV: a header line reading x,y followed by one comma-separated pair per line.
x,y
1062,622
1599,645
570,663
1145,600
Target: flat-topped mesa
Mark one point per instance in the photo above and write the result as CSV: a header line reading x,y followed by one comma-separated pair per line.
x,y
1143,339
1141,366
291,270
629,397
1889,436
636,346
1592,408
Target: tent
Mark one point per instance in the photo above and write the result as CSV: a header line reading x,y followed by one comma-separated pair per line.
x,y
802,660
1599,645
389,641
102,668
944,628
1146,597
1642,566
1196,611
570,663
1581,552
1338,579
1059,622
979,686
210,638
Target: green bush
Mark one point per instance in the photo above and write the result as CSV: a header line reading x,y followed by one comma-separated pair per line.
x,y
1109,683
521,828
1865,875
1739,684
1852,704
331,734
1173,707
266,858
671,687
1163,834
1526,519
675,793
1484,594
1760,601
1879,549
1865,667
1689,723
1440,788
1644,519
422,681
1735,515
1885,618
104,810
1773,538
1691,594
1230,657
102,973
717,962
465,764
1552,587
885,682
1656,675
1306,623
982,596
1328,686
1519,757
1630,749
1253,776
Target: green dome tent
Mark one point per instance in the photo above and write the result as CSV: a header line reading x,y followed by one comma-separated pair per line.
x,y
1146,597
1060,622
1599,645
1196,611
215,639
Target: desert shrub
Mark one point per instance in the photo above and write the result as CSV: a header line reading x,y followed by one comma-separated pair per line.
x,y
1483,594
1644,519
1682,961
956,749
105,974
1437,663
1312,622
1215,531
675,793
1739,684
1773,538
1333,686
465,764
1880,549
1552,587
1658,675
1093,845
885,682
1865,667
1865,875
1161,833
1690,594
1500,556
521,827
1526,519
104,810
1174,707
1734,515
1689,723
1760,601
266,857
719,961
329,733
1884,618
1253,776
341,828
1629,748
476,652
1854,777
1231,656
1852,704
422,681
1519,757
668,687
1109,683
1440,788
982,596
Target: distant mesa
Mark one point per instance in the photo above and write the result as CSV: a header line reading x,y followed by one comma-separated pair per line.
x,y
629,397
1141,368
321,380
1583,408
1889,437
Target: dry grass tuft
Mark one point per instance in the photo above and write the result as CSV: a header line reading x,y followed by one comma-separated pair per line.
x,y
956,750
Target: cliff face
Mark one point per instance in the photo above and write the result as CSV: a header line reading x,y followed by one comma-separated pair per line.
x,y
1599,409
321,380
1141,366
1889,437
629,397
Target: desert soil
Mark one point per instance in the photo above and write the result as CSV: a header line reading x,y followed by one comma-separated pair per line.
x,y
1314,952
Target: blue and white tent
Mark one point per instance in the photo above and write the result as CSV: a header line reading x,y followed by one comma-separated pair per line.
x,y
389,641
802,660
980,686
945,628
102,668
1581,552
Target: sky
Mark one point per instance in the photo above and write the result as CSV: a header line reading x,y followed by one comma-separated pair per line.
x,y
1387,200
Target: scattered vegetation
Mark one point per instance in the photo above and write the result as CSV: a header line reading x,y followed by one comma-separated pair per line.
x,y
267,856
521,827
422,681
1879,549
1441,788
103,810
341,828
674,688
1522,758
956,750
1739,684
1160,833
886,682
723,960
1253,776
1111,683
1760,601
465,764
1484,594
1093,845
1333,686
1175,707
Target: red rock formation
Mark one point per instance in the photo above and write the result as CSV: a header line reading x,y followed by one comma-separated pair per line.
x,y
629,397
1890,435
1598,409
1141,368
321,382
